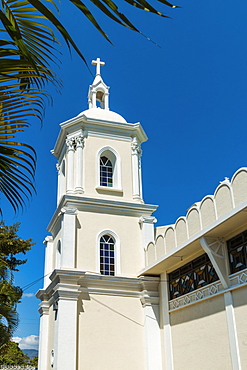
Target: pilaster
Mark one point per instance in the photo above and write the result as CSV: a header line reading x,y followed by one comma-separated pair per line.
x,y
217,252
44,336
70,165
79,141
65,338
147,227
68,243
150,303
165,322
48,260
136,170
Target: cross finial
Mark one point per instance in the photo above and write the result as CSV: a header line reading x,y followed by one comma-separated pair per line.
x,y
98,63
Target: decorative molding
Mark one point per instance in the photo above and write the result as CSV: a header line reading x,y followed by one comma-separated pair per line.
x,y
234,217
69,211
149,298
100,206
100,128
44,308
67,284
80,141
236,280
48,239
147,220
212,211
108,189
136,147
70,143
65,294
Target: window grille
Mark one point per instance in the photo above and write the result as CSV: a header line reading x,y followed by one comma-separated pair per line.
x,y
237,252
192,276
106,172
107,255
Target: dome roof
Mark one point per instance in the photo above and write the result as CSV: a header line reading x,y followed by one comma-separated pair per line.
x,y
102,114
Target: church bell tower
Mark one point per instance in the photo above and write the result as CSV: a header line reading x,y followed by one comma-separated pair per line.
x,y
96,244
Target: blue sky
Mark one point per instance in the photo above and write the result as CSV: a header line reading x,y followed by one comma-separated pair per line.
x,y
189,93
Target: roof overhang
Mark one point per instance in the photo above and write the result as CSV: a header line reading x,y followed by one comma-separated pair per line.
x,y
225,227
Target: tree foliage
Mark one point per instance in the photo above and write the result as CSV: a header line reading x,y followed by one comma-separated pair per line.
x,y
11,245
13,355
27,50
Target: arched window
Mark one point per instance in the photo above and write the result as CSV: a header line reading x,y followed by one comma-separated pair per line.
x,y
106,172
107,255
109,169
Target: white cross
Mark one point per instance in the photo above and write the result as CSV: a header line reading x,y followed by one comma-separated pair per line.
x,y
98,63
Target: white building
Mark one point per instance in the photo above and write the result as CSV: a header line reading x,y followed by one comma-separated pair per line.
x,y
122,294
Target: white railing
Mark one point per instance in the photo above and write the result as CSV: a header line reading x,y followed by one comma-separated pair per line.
x,y
208,291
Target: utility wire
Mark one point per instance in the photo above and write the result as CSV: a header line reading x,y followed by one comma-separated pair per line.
x,y
112,279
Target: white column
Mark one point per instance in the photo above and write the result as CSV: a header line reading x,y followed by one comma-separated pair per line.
x,y
65,340
106,101
58,182
68,242
140,174
136,181
165,322
43,336
94,104
232,331
70,165
79,164
48,260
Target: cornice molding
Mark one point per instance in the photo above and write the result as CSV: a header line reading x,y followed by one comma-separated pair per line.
x,y
98,127
68,284
100,206
44,308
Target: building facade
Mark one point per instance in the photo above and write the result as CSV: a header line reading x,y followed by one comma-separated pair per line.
x,y
120,293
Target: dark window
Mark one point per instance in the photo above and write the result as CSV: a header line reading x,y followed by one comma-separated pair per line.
x,y
106,172
237,252
192,276
107,255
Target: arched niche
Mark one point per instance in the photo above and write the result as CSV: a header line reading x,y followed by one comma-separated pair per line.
x,y
181,231
150,253
160,246
207,209
170,239
223,200
239,186
193,222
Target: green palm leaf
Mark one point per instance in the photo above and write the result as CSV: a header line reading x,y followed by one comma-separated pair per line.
x,y
27,49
